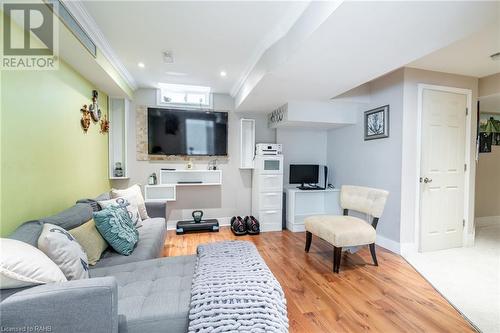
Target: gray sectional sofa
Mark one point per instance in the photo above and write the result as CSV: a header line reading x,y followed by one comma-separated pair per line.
x,y
138,293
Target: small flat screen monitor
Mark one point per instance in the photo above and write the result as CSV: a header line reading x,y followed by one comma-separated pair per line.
x,y
304,174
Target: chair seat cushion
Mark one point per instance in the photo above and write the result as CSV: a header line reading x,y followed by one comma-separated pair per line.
x,y
341,231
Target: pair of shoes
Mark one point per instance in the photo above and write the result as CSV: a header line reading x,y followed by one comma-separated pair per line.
x,y
248,225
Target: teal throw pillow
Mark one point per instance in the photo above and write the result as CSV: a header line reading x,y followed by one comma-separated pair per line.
x,y
117,228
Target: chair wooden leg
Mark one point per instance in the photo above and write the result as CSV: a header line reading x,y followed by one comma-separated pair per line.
x,y
308,240
374,254
337,255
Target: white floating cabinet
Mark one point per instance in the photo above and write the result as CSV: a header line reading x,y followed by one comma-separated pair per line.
x,y
191,177
166,190
159,193
247,143
118,114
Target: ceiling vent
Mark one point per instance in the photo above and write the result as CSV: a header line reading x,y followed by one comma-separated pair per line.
x,y
72,24
168,58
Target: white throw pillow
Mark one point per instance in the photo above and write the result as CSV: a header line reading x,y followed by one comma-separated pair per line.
x,y
60,246
23,265
135,194
127,203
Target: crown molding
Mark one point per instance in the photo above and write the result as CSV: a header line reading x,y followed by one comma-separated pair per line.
x,y
77,9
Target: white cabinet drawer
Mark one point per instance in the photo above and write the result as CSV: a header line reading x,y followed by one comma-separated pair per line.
x,y
270,200
270,216
270,220
270,183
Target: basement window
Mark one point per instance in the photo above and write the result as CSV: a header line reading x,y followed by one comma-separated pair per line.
x,y
183,95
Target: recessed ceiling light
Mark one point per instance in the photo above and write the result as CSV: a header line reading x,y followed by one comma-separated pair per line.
x,y
223,73
141,64
495,56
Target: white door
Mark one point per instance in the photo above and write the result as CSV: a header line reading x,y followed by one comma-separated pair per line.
x,y
442,169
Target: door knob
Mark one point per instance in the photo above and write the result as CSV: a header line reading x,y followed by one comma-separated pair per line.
x,y
427,180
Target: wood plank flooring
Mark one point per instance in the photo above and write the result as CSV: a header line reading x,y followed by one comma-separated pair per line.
x,y
392,297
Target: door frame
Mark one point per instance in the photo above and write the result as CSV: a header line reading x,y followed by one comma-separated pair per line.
x,y
468,152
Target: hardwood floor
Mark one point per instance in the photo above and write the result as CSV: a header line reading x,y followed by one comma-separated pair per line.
x,y
392,297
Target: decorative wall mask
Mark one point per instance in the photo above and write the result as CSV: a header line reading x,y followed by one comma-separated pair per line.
x,y
278,115
94,109
86,118
104,125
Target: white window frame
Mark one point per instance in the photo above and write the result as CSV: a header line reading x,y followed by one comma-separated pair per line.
x,y
186,89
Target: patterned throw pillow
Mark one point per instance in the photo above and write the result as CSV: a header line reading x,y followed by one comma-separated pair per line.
x,y
134,193
60,246
91,241
127,204
117,228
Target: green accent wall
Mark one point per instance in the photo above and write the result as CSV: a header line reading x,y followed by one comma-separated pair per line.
x,y
47,161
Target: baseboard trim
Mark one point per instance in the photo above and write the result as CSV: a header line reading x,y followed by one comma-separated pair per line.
x,y
223,222
388,244
408,248
487,221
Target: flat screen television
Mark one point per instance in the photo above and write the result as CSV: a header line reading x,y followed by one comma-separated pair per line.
x,y
304,174
187,132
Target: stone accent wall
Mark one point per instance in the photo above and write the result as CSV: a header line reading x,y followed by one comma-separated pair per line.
x,y
141,130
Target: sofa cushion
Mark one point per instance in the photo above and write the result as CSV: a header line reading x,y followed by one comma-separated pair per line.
x,y
91,240
153,295
126,203
94,202
24,265
135,194
71,217
150,245
60,246
28,232
115,225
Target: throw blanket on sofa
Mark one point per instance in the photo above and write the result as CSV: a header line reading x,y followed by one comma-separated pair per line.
x,y
234,290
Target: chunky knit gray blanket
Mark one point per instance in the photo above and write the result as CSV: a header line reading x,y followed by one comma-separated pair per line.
x,y
233,290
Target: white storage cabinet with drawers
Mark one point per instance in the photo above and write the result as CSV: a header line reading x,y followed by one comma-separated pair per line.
x,y
267,192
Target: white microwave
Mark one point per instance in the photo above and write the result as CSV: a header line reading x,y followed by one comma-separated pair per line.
x,y
269,164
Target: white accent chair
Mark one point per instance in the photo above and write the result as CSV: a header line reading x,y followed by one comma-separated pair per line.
x,y
343,231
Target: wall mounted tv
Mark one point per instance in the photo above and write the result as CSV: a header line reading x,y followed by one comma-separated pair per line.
x,y
187,132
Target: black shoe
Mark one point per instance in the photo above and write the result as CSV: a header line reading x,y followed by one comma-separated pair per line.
x,y
238,227
252,225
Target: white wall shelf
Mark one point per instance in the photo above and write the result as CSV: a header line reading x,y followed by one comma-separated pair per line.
x,y
301,204
118,124
160,193
191,177
169,180
247,143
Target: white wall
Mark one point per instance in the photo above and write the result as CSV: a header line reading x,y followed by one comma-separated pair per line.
x,y
488,184
232,198
301,146
373,163
410,184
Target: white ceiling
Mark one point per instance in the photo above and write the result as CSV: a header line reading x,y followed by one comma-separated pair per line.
x,y
361,41
205,37
469,56
277,51
490,104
